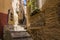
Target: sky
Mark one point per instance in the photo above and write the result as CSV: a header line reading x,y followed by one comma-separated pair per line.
x,y
24,2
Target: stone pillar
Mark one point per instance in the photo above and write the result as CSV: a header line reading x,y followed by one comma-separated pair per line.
x,y
28,14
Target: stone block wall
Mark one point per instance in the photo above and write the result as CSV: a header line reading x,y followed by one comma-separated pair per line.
x,y
51,29
37,20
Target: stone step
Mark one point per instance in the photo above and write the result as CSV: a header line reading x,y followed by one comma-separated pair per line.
x,y
16,35
20,35
23,39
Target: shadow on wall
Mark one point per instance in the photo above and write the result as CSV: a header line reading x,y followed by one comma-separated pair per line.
x,y
3,21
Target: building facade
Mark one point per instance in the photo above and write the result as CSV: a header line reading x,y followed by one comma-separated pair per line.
x,y
5,5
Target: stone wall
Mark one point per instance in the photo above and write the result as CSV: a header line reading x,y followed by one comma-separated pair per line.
x,y
51,29
37,20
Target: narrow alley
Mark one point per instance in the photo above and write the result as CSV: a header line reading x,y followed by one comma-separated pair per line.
x,y
29,19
